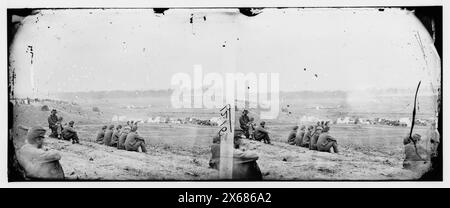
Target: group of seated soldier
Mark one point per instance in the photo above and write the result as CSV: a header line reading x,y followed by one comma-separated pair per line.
x,y
315,137
126,138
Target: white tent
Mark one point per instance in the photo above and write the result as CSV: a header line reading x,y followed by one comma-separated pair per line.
x,y
405,121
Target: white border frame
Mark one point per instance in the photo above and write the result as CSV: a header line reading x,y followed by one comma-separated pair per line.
x,y
208,4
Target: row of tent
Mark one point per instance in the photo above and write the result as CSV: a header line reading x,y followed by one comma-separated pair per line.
x,y
365,121
214,121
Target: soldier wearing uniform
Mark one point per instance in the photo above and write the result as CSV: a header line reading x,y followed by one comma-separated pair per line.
x,y
292,135
416,156
299,138
134,141
69,133
261,133
101,135
325,142
38,163
52,124
108,135
243,122
314,137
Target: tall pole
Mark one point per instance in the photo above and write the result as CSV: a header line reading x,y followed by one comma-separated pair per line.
x,y
230,50
227,144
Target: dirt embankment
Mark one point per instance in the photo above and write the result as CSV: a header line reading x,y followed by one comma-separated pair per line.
x,y
91,161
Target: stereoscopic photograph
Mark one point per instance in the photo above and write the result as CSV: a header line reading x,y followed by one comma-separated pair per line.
x,y
225,94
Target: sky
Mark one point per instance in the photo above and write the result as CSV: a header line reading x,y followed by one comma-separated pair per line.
x,y
135,49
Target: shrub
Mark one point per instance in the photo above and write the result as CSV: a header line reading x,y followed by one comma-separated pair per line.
x,y
45,108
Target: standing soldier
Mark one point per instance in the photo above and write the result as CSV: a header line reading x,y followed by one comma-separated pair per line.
x,y
59,127
52,124
243,122
251,129
245,166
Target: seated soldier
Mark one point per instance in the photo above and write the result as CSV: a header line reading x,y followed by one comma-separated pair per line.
x,y
101,135
69,133
407,140
108,135
123,137
306,141
134,141
325,142
314,137
299,138
261,133
245,166
292,135
416,156
434,140
38,163
215,153
115,136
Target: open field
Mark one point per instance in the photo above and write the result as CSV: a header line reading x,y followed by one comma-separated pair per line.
x,y
181,151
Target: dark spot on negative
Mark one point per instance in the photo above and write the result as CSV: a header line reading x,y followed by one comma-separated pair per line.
x,y
381,10
160,10
250,12
204,18
191,20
